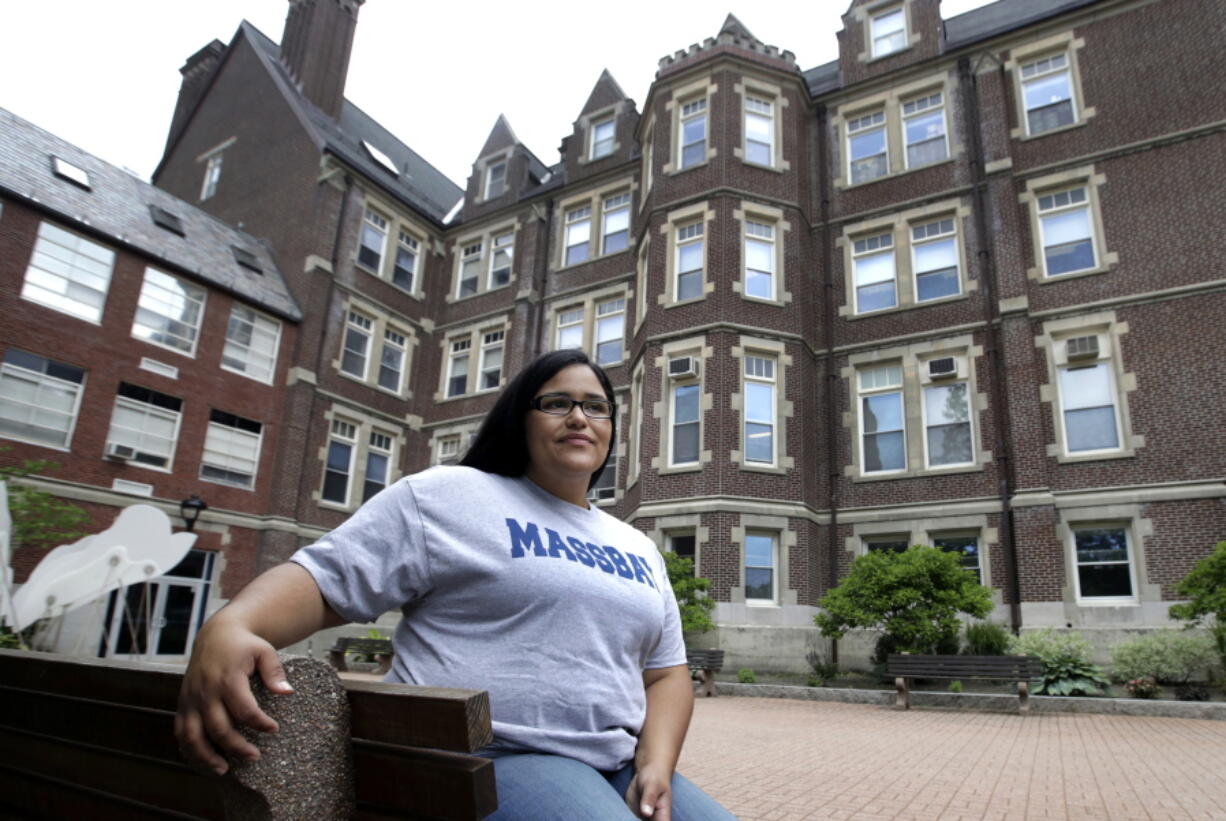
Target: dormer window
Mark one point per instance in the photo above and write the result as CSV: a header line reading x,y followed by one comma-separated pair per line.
x,y
496,180
889,29
602,139
212,173
165,219
67,171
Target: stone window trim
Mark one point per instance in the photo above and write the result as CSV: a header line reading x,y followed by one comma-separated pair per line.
x,y
617,458
483,167
662,410
1062,43
899,227
924,531
381,322
697,212
641,270
1109,332
397,223
587,127
474,332
891,101
756,212
785,544
865,14
690,523
364,425
1083,176
594,199
701,88
588,302
485,236
634,426
784,409
647,171
750,86
1138,529
461,431
913,359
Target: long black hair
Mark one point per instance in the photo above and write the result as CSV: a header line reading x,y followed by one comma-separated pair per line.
x,y
501,445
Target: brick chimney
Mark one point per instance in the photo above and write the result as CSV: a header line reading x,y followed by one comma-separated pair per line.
x,y
196,72
315,48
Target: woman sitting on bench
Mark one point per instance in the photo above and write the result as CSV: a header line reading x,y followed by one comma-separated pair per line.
x,y
510,582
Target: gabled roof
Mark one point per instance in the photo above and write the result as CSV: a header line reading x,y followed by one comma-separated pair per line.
x,y
605,93
737,29
117,206
501,137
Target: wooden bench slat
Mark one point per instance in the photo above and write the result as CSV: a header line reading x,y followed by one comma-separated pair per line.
x,y
443,718
435,784
131,682
25,794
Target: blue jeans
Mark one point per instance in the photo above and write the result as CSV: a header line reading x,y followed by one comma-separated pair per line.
x,y
538,787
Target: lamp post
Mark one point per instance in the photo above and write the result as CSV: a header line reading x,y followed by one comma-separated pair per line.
x,y
190,509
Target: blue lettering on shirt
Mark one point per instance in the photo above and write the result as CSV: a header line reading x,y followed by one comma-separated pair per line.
x,y
581,553
557,547
522,539
526,538
623,569
642,573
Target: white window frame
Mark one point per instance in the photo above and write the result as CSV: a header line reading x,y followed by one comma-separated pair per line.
x,y
758,106
471,254
152,295
398,344
240,352
876,48
578,220
224,449
1035,69
928,233
405,241
68,249
1105,366
569,320
147,410
760,231
687,235
928,425
634,431
607,311
760,369
605,491
491,179
358,325
376,224
1054,207
212,175
1131,561
491,342
692,110
876,244
977,535
774,567
345,433
502,243
42,380
915,108
601,147
859,126
448,452
381,444
613,207
673,424
461,350
865,391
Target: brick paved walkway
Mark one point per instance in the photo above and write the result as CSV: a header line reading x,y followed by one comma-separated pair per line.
x,y
782,760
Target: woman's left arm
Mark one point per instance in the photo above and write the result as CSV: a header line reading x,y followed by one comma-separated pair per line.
x,y
670,701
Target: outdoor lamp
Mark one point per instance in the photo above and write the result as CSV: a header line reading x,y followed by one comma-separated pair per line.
x,y
190,509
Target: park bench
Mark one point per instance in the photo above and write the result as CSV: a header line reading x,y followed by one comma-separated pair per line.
x,y
706,663
378,649
1021,669
83,738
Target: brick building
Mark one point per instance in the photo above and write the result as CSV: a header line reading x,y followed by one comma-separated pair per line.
x,y
143,349
929,292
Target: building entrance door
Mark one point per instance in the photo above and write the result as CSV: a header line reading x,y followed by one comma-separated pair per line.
x,y
158,620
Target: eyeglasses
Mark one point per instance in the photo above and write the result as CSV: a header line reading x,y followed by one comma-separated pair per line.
x,y
559,404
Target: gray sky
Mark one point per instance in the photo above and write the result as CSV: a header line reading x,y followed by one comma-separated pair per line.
x,y
105,75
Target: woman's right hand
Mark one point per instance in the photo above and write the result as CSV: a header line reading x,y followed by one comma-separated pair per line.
x,y
216,694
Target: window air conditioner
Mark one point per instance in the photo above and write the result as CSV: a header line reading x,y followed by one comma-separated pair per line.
x,y
944,368
683,367
1083,347
120,453
598,494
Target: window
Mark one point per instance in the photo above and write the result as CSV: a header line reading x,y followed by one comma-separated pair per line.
x,y
934,255
606,483
1047,91
684,441
231,450
602,139
759,130
39,399
761,551
648,174
684,544
68,273
470,267
1065,228
449,450
500,260
168,312
391,361
690,258
889,32
759,259
570,328
886,544
882,434
378,464
616,233
251,346
634,432
457,369
491,359
339,466
578,234
967,549
693,133
867,154
1103,557
373,240
166,219
144,426
876,283
67,171
247,259
923,122
1090,417
404,269
759,392
947,425
610,328
212,175
495,180
356,352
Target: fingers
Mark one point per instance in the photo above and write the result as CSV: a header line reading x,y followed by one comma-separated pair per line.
x,y
239,702
272,673
194,747
654,799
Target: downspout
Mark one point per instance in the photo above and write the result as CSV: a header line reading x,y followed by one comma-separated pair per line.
x,y
986,267
832,377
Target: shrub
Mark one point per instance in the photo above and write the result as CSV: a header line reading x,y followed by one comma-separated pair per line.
x,y
823,670
1170,656
955,686
1205,587
691,592
1192,692
1143,687
1067,670
816,681
987,639
40,520
746,676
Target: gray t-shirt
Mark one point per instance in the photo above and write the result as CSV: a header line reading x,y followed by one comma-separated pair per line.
x,y
556,610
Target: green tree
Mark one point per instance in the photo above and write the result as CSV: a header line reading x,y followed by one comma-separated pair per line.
x,y
691,593
1205,588
915,597
40,520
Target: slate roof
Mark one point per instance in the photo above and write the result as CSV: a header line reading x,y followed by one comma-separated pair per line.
x,y
117,208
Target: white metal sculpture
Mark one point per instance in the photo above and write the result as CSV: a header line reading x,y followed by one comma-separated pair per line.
x,y
138,547
6,571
